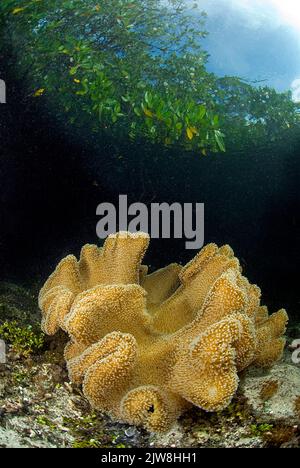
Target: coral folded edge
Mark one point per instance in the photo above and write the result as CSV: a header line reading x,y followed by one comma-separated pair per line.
x,y
146,347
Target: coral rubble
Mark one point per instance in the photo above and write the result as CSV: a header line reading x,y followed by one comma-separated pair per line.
x,y
146,347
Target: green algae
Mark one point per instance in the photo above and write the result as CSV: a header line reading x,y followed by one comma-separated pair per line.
x,y
24,340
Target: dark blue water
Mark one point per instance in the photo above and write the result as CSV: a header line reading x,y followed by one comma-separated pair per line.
x,y
52,179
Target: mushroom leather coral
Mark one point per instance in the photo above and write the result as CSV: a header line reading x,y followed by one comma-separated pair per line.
x,y
145,347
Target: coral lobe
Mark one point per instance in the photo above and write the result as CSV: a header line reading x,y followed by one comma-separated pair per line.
x,y
146,347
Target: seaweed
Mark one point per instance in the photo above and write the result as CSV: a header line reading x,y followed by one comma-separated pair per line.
x,y
24,340
269,389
